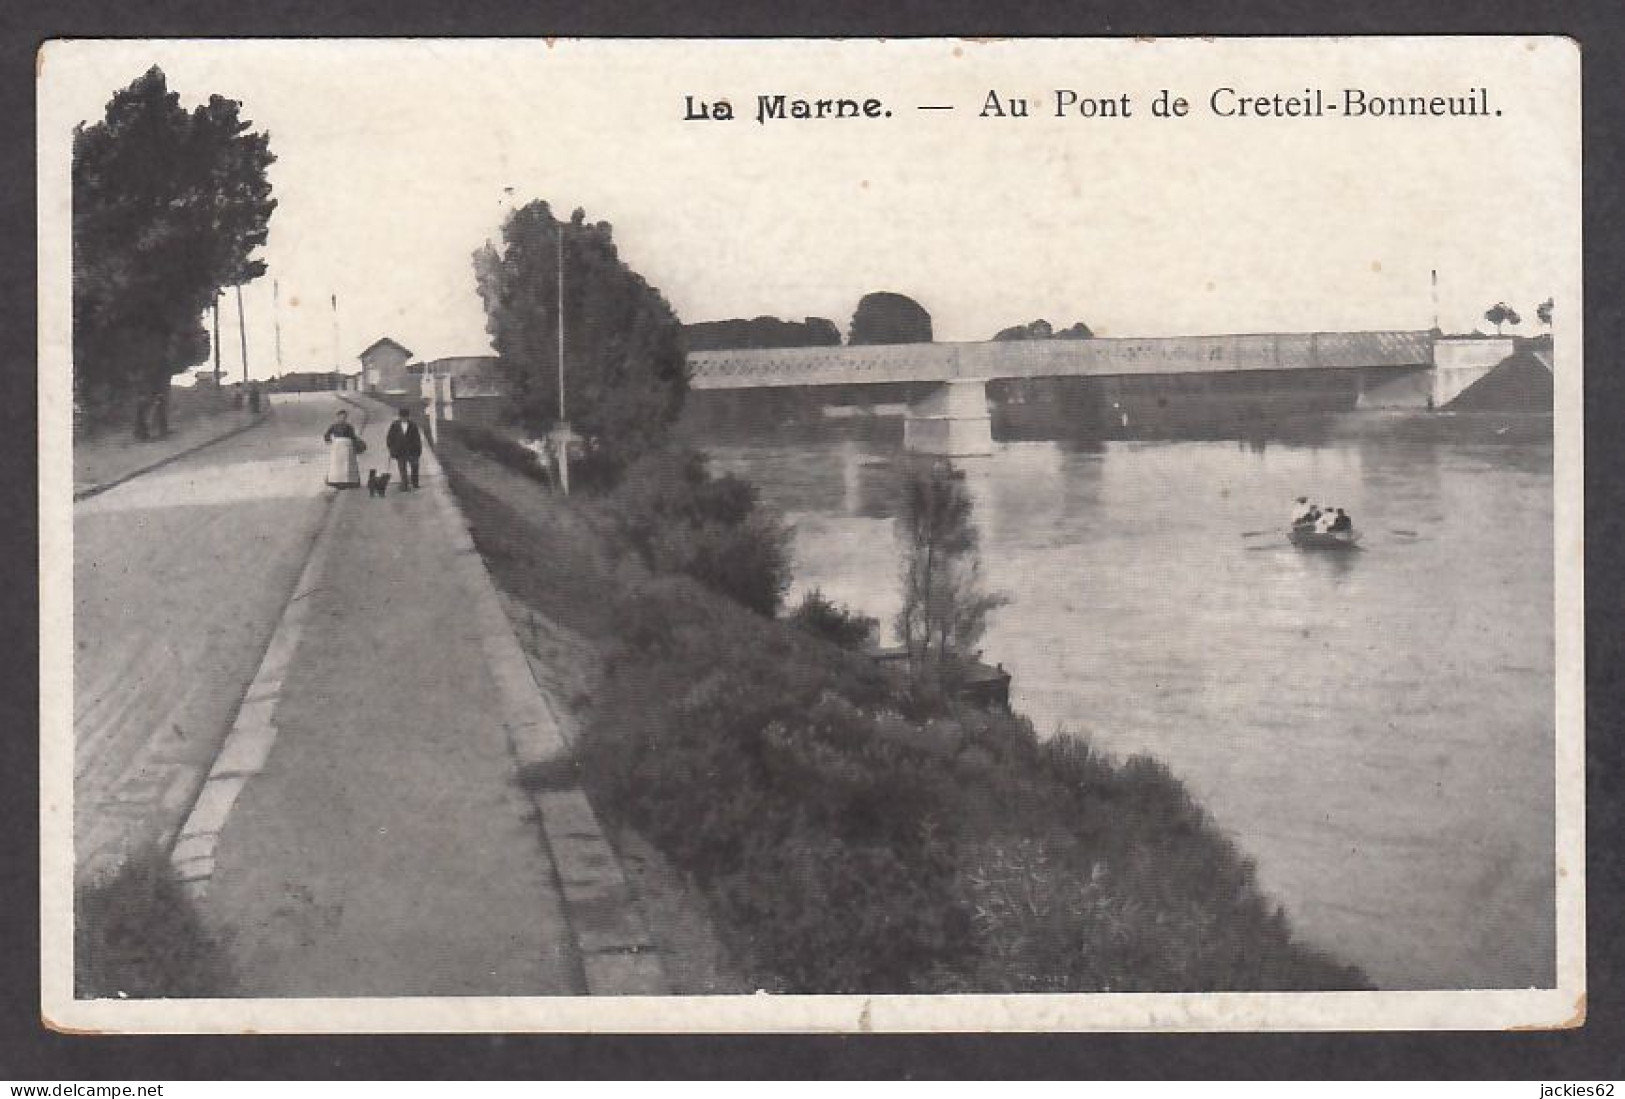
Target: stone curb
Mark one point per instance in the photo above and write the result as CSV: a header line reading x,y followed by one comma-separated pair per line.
x,y
253,729
612,941
97,489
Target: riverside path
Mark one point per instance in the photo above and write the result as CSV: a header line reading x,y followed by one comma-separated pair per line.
x,y
376,842
367,837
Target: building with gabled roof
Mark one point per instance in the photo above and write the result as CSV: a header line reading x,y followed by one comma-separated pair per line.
x,y
383,367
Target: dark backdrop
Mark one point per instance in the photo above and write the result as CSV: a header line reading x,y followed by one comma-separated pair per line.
x,y
28,1052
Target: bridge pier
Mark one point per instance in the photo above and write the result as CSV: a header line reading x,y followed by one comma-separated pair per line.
x,y
1459,363
952,420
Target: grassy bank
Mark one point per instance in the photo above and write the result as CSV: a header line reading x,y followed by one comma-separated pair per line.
x,y
840,846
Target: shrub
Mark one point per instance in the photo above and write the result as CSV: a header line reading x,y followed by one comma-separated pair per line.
x,y
499,447
838,625
847,849
137,934
678,518
758,774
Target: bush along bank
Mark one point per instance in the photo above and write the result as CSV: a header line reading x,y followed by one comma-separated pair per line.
x,y
845,848
849,850
138,934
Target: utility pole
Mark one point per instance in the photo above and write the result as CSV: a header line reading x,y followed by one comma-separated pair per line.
x,y
1435,274
242,333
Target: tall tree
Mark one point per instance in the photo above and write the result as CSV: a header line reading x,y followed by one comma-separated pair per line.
x,y
884,317
1501,313
945,606
625,375
168,207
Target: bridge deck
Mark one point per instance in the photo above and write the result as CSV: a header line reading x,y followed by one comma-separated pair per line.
x,y
925,362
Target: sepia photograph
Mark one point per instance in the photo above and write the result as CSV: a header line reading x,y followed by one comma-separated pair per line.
x,y
811,535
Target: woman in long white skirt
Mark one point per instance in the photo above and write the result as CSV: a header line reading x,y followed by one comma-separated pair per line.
x,y
342,468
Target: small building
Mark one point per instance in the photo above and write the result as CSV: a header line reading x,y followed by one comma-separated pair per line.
x,y
474,389
383,369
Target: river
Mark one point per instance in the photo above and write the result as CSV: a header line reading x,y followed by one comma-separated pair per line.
x,y
1374,728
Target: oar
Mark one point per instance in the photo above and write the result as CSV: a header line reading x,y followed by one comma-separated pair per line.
x,y
1407,533
1257,533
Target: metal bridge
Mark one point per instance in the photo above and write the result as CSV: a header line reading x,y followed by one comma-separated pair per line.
x,y
1101,357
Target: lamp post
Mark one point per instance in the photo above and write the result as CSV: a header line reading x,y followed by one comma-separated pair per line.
x,y
561,432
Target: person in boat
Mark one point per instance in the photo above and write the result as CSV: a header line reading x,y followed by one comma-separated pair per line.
x,y
1304,513
1342,523
1324,521
343,471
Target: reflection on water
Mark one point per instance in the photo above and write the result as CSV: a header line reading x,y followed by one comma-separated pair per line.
x,y
1375,727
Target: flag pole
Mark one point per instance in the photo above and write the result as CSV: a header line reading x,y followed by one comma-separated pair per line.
x,y
276,321
334,298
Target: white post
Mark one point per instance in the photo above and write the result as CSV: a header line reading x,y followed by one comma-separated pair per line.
x,y
560,438
432,385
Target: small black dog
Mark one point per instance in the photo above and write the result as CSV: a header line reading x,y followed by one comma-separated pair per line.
x,y
377,485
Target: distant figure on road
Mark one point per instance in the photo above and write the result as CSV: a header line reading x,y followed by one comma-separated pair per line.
x,y
342,469
406,447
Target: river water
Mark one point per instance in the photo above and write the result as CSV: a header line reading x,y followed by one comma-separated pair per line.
x,y
1374,728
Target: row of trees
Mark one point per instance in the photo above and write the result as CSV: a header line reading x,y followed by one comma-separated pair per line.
x,y
761,332
169,206
1041,329
880,317
1501,313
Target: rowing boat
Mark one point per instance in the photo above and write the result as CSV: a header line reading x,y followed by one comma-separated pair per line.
x,y
1323,539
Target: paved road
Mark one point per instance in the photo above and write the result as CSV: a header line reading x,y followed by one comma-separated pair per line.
x,y
180,576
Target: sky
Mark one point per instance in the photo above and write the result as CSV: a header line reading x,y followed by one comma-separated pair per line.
x,y
398,158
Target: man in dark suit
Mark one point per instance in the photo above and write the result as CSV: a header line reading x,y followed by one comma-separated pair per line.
x,y
406,447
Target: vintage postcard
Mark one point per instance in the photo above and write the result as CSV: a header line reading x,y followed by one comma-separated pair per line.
x,y
800,535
